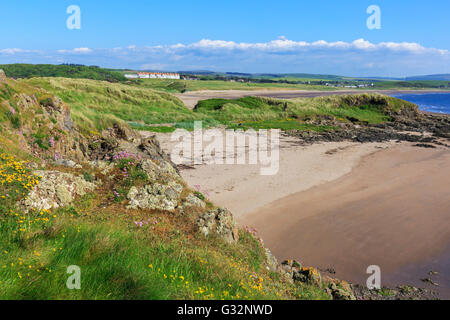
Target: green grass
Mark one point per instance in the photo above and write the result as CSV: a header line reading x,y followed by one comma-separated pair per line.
x,y
143,127
96,105
176,86
297,114
412,85
285,125
67,71
164,259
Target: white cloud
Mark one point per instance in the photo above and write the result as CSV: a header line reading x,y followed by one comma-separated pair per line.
x,y
358,58
77,50
12,51
285,44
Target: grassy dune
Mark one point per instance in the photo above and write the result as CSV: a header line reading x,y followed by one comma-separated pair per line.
x,y
263,113
96,105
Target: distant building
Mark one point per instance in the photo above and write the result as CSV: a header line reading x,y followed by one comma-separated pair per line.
x,y
154,75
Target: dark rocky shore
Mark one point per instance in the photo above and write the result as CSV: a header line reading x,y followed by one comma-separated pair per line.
x,y
425,129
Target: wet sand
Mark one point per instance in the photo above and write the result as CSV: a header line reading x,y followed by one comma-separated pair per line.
x,y
392,210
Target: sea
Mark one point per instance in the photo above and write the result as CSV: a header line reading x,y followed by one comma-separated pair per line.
x,y
431,102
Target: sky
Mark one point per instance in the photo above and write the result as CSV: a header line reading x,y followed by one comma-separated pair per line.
x,y
283,36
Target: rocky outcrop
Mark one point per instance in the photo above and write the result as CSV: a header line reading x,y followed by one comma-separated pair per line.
x,y
294,272
408,126
399,293
219,222
338,289
155,196
2,76
272,262
160,170
56,189
192,200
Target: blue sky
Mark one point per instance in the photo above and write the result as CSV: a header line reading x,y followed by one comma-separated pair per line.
x,y
244,36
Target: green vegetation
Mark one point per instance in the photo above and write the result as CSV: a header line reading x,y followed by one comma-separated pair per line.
x,y
297,114
97,105
413,85
137,254
123,254
177,86
64,70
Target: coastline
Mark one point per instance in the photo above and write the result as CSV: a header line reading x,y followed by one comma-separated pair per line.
x,y
363,192
360,204
391,211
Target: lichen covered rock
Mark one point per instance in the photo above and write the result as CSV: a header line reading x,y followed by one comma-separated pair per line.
x,y
2,76
155,196
160,170
192,200
56,189
308,275
220,222
339,290
272,262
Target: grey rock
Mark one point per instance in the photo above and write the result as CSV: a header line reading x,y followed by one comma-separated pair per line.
x,y
56,189
155,196
272,262
65,163
192,200
220,222
2,76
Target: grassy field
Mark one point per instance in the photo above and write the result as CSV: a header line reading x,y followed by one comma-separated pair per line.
x,y
412,85
175,86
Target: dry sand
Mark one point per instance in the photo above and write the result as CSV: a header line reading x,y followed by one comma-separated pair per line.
x,y
242,189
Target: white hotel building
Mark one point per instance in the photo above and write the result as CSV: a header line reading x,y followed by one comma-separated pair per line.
x,y
153,75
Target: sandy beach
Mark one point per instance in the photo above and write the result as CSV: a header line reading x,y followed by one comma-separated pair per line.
x,y
242,189
344,206
392,210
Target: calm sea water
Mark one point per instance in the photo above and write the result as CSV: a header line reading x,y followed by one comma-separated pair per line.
x,y
432,102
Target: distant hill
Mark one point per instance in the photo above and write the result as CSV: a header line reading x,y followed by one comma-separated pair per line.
x,y
442,77
300,76
63,70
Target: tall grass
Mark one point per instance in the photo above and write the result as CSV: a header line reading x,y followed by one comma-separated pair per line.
x,y
98,104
